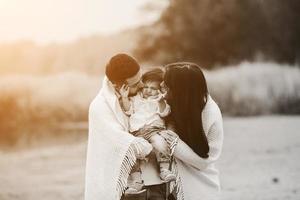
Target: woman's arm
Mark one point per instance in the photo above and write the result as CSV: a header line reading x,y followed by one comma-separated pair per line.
x,y
184,153
215,142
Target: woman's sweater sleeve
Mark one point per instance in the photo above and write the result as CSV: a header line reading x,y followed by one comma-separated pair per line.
x,y
215,141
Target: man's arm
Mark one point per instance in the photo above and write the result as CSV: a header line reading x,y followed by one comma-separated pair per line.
x,y
105,119
125,103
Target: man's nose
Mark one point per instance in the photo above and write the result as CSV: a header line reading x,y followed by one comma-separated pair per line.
x,y
141,84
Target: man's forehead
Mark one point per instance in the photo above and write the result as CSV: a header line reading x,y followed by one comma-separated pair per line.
x,y
134,79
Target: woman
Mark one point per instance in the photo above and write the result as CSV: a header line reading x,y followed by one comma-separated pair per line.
x,y
197,120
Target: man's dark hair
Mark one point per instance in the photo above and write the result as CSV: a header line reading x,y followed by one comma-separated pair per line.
x,y
121,67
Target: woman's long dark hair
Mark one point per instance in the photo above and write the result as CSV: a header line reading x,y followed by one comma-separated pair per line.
x,y
187,97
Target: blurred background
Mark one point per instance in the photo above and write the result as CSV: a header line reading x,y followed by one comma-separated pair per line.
x,y
52,61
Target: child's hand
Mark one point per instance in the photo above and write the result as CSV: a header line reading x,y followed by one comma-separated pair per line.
x,y
124,91
163,88
161,96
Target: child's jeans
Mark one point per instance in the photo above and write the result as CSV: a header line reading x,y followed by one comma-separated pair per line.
x,y
151,133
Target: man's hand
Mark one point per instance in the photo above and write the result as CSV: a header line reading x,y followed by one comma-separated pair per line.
x,y
160,144
142,148
124,91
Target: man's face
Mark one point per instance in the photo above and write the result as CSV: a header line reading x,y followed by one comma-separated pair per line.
x,y
134,83
134,88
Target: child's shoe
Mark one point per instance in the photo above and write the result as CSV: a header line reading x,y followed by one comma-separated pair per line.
x,y
135,187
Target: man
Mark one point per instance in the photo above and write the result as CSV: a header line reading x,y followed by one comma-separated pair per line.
x,y
112,150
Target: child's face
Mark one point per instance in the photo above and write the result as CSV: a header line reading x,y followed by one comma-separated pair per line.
x,y
151,88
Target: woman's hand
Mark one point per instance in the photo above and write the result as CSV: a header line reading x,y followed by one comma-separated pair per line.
x,y
172,139
169,136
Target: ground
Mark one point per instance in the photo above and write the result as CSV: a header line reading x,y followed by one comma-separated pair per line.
x,y
260,160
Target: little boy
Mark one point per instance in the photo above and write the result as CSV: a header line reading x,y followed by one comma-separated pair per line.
x,y
145,111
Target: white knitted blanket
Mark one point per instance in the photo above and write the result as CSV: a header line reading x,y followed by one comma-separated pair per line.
x,y
109,155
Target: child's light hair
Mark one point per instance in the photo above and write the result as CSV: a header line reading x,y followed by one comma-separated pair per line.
x,y
155,74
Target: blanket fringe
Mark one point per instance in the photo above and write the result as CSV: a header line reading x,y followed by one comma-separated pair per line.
x,y
130,160
177,184
127,164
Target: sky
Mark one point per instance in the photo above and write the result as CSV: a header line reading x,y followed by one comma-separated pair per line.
x,y
46,21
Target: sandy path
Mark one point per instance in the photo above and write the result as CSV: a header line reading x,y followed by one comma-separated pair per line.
x,y
50,173
257,152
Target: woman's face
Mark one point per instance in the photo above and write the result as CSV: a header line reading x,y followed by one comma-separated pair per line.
x,y
151,88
